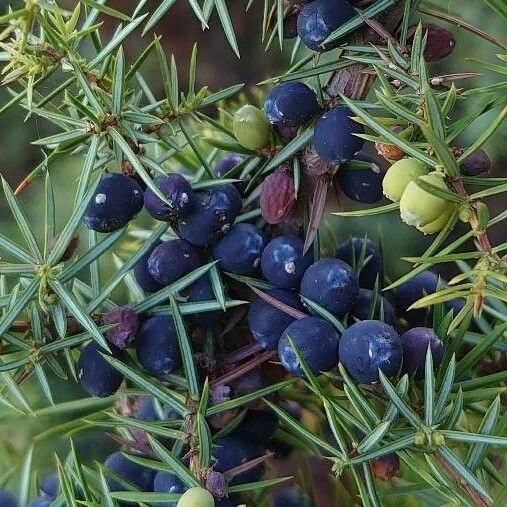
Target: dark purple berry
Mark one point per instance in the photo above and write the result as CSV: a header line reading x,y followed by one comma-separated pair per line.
x,y
266,322
240,250
333,136
283,263
202,290
178,192
362,305
362,184
96,375
128,471
257,426
291,497
331,283
366,347
385,467
117,200
290,25
227,163
317,342
415,343
49,485
216,484
165,482
248,383
171,260
319,19
351,251
290,104
148,409
6,499
126,324
477,163
214,213
143,275
157,346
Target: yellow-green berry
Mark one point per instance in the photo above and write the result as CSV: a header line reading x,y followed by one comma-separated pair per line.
x,y
419,207
399,175
251,127
196,497
438,224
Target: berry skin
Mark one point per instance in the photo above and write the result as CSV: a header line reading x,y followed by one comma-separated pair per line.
x,y
318,19
266,322
226,163
171,260
178,192
415,343
333,136
6,499
258,426
439,223
331,283
290,104
362,307
214,213
399,175
196,497
440,42
96,375
251,127
283,263
366,347
126,324
420,207
149,410
157,346
142,274
129,471
477,163
49,485
278,195
351,250
117,200
362,184
240,250
317,342
230,452
165,482
41,501
202,290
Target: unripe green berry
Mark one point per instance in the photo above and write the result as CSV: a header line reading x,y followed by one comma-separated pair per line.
x,y
399,175
196,497
438,224
251,127
419,207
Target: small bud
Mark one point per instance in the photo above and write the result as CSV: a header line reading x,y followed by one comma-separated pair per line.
x,y
475,164
465,213
277,195
420,438
216,484
399,175
126,325
437,438
440,42
251,127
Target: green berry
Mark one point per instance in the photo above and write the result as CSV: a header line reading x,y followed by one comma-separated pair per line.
x,y
438,224
399,175
251,127
196,497
419,207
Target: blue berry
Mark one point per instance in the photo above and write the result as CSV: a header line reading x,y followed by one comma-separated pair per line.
x,y
240,250
266,322
171,260
143,275
283,263
214,213
6,499
50,484
257,426
230,452
368,346
318,19
157,346
475,164
361,308
41,501
149,410
351,250
331,283
415,343
125,325
226,163
117,200
131,472
96,375
333,136
178,192
317,342
202,290
290,104
362,184
165,482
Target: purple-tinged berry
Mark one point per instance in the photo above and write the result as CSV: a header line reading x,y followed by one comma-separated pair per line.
x,y
240,250
143,275
117,200
362,184
317,342
171,260
227,163
415,344
165,482
128,471
385,467
126,324
214,213
50,484
290,104
477,163
383,307
96,375
333,136
202,290
178,192
283,263
148,409
369,346
157,346
6,499
331,283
